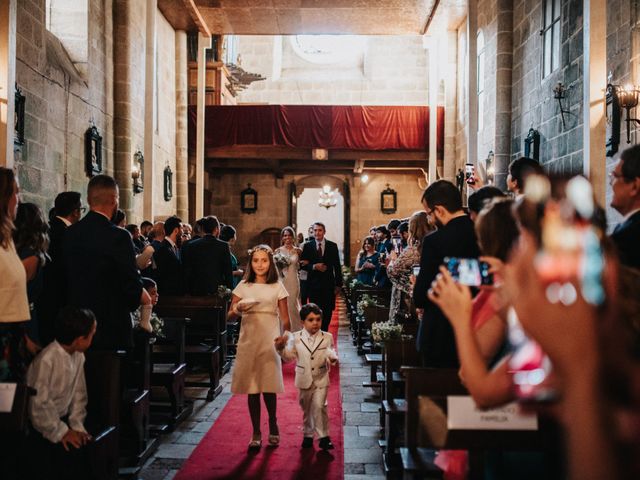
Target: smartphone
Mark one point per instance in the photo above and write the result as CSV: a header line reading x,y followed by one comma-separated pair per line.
x,y
415,269
469,271
397,244
469,173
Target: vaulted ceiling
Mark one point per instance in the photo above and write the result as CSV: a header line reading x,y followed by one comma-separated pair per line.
x,y
289,17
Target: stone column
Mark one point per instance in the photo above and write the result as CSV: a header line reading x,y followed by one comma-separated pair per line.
x,y
472,81
7,79
434,81
122,148
149,111
450,104
595,82
182,154
204,42
504,62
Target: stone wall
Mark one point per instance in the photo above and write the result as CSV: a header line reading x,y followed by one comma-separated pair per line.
x,y
61,103
391,71
273,206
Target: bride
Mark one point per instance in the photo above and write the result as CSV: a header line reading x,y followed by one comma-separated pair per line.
x,y
289,275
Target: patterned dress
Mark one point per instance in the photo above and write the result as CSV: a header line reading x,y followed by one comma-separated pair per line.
x,y
399,272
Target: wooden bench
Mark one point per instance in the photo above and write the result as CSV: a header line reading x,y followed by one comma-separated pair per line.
x,y
205,337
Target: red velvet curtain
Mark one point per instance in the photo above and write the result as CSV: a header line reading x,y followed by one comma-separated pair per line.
x,y
330,127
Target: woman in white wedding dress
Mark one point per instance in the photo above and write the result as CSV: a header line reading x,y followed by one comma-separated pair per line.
x,y
289,275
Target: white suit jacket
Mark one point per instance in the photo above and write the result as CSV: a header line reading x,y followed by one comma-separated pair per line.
x,y
312,362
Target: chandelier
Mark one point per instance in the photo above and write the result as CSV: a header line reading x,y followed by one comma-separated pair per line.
x,y
328,197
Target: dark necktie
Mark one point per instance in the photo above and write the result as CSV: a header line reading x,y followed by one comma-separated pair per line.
x,y
320,250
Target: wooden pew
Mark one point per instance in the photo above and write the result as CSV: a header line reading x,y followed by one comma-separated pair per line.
x,y
205,336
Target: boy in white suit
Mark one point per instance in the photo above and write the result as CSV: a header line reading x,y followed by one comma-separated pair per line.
x,y
313,350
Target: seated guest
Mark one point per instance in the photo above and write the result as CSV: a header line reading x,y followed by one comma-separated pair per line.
x,y
228,234
480,198
101,268
14,306
519,170
32,240
455,237
142,318
138,243
625,183
120,219
207,261
383,241
157,235
403,231
392,226
367,262
68,211
169,275
58,410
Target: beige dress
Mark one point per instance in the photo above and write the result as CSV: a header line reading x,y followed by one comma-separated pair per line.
x,y
257,367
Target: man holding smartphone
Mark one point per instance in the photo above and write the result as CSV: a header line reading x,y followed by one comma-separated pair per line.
x,y
455,237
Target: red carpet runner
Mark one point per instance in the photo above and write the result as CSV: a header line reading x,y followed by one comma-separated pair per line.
x,y
222,453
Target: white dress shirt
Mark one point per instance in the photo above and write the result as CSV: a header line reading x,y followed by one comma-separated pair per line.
x,y
59,379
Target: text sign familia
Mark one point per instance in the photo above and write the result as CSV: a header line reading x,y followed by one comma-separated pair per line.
x,y
463,414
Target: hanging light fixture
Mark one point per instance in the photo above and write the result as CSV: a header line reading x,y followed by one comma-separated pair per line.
x,y
328,197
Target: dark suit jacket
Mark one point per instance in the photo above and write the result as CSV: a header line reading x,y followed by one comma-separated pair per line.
x,y
102,276
207,265
169,274
436,340
54,293
626,236
329,279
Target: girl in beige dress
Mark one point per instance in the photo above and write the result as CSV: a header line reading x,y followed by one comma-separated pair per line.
x,y
261,299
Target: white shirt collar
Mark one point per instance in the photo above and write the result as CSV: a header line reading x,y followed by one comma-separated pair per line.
x,y
320,242
630,214
171,242
64,220
308,336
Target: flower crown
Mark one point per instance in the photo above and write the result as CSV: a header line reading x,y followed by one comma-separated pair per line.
x,y
260,248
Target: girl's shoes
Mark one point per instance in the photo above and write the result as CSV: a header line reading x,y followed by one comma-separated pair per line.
x,y
256,441
274,440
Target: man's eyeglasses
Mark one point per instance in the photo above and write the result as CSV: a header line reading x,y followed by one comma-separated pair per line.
x,y
82,209
613,175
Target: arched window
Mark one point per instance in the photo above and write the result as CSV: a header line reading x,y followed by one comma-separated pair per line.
x,y
551,37
480,78
68,20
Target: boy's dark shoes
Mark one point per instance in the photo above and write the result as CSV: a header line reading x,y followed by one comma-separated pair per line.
x,y
325,443
307,442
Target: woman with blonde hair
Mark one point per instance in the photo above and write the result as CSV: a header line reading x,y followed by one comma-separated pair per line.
x,y
288,261
14,307
399,269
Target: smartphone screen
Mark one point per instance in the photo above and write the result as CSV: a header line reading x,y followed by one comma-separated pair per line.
x,y
397,244
415,270
469,271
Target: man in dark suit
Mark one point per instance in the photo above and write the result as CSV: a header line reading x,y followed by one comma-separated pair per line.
x,y
169,275
321,260
625,183
101,268
455,237
67,211
207,261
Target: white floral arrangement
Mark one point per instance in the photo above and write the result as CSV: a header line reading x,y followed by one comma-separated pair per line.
x,y
223,293
383,331
281,260
157,324
364,302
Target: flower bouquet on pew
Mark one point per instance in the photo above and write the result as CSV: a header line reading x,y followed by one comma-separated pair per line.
x,y
364,302
383,331
224,293
154,325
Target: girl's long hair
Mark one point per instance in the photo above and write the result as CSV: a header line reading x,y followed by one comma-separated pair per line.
x,y
272,274
31,230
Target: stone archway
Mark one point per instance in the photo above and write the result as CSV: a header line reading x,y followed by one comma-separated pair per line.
x,y
305,208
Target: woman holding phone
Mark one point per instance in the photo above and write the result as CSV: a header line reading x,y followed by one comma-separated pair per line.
x,y
400,267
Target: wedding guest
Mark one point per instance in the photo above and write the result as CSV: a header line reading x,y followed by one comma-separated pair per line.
x,y
169,270
120,219
14,306
145,228
480,198
625,183
403,231
138,243
69,210
187,232
401,266
32,240
261,300
289,274
228,234
367,262
392,227
519,170
383,240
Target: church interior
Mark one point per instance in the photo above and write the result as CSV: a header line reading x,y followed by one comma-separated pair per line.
x,y
340,113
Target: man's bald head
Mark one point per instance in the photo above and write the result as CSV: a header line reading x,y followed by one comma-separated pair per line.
x,y
102,193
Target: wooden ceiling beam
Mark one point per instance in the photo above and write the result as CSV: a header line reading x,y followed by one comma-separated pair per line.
x,y
289,153
197,18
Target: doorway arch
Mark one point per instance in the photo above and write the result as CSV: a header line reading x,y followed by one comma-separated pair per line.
x,y
304,209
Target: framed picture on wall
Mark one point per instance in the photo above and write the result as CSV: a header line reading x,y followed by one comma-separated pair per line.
x,y
388,200
18,117
168,183
92,152
249,200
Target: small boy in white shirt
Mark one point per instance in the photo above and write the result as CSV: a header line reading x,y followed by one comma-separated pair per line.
x,y
58,409
313,350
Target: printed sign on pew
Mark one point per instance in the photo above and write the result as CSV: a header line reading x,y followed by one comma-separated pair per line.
x,y
463,414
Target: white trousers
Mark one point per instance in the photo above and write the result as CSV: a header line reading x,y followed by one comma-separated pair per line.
x,y
313,401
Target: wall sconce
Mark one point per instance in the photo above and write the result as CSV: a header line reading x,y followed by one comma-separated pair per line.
x,y
559,95
627,97
137,172
490,168
612,120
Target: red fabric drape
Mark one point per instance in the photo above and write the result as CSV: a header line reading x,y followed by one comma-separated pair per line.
x,y
315,126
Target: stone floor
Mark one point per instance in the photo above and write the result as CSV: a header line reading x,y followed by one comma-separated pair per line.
x,y
362,455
